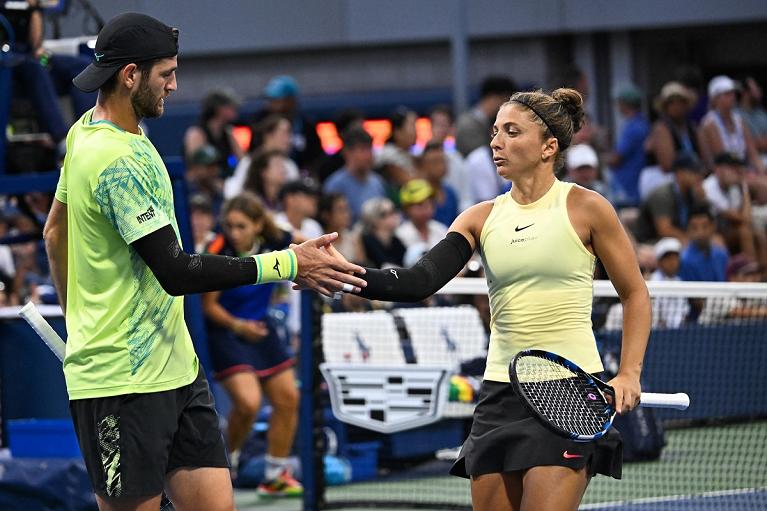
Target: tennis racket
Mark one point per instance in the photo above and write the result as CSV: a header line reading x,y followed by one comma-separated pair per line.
x,y
570,401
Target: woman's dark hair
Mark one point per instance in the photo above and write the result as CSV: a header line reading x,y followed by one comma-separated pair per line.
x,y
397,119
560,115
263,128
213,101
110,85
251,206
325,206
254,181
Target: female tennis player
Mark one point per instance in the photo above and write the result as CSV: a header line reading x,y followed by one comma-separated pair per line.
x,y
539,243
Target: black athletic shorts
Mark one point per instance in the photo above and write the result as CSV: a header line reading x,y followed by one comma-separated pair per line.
x,y
505,438
131,442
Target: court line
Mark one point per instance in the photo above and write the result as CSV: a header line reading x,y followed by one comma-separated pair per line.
x,y
672,498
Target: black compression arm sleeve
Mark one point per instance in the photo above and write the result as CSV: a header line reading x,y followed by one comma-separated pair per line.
x,y
430,273
180,273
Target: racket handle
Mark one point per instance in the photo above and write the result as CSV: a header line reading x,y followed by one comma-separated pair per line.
x,y
678,401
46,332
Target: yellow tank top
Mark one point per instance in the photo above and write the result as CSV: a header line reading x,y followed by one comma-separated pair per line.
x,y
540,277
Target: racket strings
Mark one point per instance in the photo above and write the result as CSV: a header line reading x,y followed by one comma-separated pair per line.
x,y
568,400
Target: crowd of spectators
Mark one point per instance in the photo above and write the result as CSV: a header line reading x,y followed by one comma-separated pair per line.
x,y
673,173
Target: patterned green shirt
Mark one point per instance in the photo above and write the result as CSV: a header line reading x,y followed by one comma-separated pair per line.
x,y
125,333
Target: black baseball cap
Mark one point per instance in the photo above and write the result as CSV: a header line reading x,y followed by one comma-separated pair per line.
x,y
728,158
687,161
127,38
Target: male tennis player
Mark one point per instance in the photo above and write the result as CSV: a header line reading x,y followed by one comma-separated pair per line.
x,y
142,409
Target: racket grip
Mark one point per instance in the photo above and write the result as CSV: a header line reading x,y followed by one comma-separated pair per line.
x,y
678,401
30,313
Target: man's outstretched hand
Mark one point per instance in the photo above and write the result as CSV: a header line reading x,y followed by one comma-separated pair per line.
x,y
323,269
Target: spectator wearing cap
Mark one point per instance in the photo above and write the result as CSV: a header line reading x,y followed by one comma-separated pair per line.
x,y
381,246
420,228
442,130
672,135
702,260
356,180
628,157
667,252
723,129
203,175
666,210
299,207
472,129
220,108
582,166
395,160
668,311
432,166
727,192
281,94
271,134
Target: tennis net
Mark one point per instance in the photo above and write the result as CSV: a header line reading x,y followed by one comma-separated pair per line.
x,y
385,370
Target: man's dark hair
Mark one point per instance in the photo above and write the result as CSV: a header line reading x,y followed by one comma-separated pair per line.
x,y
432,146
355,136
325,206
569,76
701,210
347,117
145,67
690,76
497,86
686,161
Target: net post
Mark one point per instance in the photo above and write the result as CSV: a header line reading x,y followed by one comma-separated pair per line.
x,y
312,469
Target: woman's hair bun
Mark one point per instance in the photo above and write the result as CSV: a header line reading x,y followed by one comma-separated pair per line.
x,y
572,101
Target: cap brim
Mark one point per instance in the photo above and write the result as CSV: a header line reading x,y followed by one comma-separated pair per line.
x,y
93,77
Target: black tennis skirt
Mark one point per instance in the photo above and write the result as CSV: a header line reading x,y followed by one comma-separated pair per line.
x,y
505,437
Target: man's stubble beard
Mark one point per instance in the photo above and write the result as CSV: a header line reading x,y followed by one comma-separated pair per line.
x,y
145,103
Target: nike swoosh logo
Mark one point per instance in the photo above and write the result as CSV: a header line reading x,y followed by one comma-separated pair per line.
x,y
518,228
566,455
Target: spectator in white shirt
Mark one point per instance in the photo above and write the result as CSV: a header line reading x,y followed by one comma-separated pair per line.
x,y
486,184
668,311
727,192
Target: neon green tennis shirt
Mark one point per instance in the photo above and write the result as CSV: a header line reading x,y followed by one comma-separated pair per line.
x,y
125,333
